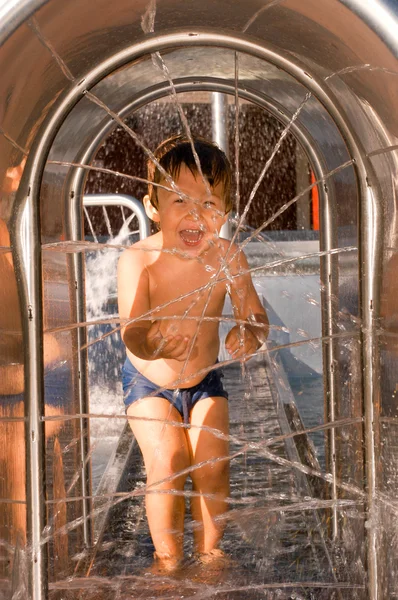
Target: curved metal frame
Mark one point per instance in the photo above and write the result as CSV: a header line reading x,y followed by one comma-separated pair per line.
x,y
74,191
28,199
327,233
122,200
194,84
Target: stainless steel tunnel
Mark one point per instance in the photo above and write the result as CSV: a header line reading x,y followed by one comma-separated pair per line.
x,y
73,70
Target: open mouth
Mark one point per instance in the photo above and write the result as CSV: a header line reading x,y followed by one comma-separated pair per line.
x,y
191,237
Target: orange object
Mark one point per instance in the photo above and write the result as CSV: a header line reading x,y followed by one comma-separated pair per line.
x,y
314,204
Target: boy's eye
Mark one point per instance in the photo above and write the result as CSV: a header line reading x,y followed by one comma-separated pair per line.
x,y
179,200
209,204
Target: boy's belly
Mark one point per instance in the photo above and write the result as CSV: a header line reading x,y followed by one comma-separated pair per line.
x,y
171,374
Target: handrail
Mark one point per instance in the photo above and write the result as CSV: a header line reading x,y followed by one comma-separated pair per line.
x,y
122,200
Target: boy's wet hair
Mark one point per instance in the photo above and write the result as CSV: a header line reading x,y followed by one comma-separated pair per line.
x,y
177,150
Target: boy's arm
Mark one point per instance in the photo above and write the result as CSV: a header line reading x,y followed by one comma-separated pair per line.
x,y
133,300
245,338
142,337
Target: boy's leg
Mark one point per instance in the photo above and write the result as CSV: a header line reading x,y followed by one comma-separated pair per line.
x,y
213,478
165,451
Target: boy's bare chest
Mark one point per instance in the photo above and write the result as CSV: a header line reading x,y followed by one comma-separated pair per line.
x,y
192,287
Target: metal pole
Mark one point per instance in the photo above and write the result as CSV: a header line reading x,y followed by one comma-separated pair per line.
x,y
74,228
302,179
370,267
25,232
219,122
329,294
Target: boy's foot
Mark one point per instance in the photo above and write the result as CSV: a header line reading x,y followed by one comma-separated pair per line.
x,y
211,567
164,564
214,557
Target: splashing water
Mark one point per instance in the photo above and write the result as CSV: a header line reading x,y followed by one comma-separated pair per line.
x,y
266,547
101,269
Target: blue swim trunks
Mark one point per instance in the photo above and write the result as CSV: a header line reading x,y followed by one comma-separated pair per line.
x,y
136,386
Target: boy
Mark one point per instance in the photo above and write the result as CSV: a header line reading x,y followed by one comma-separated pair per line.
x,y
173,285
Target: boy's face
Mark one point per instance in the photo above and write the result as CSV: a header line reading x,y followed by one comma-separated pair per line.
x,y
189,223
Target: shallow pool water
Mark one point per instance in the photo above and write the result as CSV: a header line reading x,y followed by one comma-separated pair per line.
x,y
308,395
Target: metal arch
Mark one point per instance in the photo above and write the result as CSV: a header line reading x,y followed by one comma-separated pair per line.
x,y
327,233
27,198
375,14
197,38
74,192
194,84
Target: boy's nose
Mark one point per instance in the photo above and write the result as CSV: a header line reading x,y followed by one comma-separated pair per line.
x,y
194,213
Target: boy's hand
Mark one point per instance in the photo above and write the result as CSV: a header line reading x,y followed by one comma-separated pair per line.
x,y
170,346
241,341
